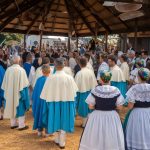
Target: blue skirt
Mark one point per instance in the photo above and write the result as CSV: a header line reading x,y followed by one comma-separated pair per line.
x,y
38,114
24,103
58,116
122,86
1,98
82,107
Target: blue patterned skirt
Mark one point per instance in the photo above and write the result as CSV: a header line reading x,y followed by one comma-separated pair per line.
x,y
82,107
58,116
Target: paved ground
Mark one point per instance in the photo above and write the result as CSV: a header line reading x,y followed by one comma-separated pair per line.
x,y
28,140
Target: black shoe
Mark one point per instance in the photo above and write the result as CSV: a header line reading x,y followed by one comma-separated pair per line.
x,y
62,147
24,128
1,118
14,127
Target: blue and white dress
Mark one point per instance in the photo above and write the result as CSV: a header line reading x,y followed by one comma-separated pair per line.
x,y
138,125
37,105
86,81
2,72
59,94
103,130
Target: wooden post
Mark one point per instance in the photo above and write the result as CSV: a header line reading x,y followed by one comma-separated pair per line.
x,y
106,41
69,37
135,35
96,28
24,42
77,40
41,33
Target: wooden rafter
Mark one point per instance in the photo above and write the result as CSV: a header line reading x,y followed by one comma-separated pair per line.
x,y
23,8
34,20
99,20
77,9
53,24
70,13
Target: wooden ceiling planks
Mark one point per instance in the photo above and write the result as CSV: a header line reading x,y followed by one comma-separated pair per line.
x,y
67,16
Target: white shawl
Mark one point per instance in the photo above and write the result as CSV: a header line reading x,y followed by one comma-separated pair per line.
x,y
59,87
85,80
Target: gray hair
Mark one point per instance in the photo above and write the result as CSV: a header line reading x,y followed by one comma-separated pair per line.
x,y
16,59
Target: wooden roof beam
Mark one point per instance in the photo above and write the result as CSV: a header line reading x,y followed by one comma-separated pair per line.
x,y
34,20
23,8
70,13
54,20
82,17
99,20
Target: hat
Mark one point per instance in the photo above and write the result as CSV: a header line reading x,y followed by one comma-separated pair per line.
x,y
105,76
144,74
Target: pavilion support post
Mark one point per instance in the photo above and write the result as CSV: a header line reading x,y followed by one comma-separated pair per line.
x,y
135,35
96,29
24,42
41,34
77,40
106,41
69,44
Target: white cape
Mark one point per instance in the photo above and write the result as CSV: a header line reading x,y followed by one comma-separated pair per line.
x,y
126,71
68,71
15,80
85,80
117,74
59,87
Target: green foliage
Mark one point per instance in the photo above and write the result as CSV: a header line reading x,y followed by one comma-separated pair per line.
x,y
11,37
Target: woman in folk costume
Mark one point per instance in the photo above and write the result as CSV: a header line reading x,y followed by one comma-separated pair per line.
x,y
134,73
15,85
86,81
2,72
118,79
138,125
37,107
59,93
103,130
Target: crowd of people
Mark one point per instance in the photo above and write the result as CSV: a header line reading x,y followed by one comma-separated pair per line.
x,y
60,85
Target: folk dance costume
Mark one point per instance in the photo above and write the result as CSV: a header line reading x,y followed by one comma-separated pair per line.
x,y
15,85
138,125
2,72
59,93
118,79
103,130
37,107
86,81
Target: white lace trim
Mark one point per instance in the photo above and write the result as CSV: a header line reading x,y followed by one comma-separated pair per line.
x,y
106,91
139,92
